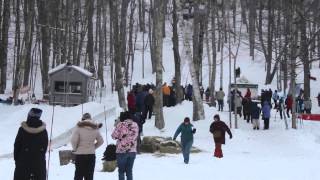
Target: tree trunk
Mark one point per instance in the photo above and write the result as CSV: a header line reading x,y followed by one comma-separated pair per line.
x,y
101,5
90,44
123,32
198,111
304,53
214,52
28,37
45,44
117,55
252,26
19,61
158,22
4,45
177,60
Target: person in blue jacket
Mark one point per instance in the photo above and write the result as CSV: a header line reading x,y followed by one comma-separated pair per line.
x,y
266,108
187,130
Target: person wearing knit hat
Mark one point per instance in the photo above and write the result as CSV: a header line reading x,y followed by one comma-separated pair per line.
x,y
187,130
30,148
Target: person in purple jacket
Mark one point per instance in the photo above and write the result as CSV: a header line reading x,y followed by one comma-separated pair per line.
x,y
266,108
126,134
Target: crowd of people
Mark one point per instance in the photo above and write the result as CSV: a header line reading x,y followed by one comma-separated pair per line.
x,y
32,139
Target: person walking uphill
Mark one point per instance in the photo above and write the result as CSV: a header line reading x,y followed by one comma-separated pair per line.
x,y
266,108
126,134
85,139
30,148
187,130
218,128
220,97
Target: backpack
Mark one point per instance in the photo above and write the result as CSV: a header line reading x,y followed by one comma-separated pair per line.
x,y
109,158
110,153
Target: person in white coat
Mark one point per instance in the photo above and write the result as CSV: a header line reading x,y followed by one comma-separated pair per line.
x,y
85,139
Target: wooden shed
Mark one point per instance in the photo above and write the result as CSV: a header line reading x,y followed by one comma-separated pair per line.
x,y
70,85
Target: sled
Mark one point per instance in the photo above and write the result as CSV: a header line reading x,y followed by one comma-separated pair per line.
x,y
65,157
109,166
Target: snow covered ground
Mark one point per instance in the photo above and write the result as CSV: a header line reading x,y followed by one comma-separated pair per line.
x,y
276,154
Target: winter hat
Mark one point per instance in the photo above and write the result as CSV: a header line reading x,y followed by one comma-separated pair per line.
x,y
86,116
124,116
33,119
216,117
35,113
186,120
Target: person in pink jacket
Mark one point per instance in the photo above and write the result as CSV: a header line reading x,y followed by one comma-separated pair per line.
x,y
85,139
126,133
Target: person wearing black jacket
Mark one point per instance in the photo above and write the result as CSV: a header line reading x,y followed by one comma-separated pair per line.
x,y
218,128
148,102
30,148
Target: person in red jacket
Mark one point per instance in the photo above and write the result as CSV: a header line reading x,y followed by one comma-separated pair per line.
x,y
218,128
248,94
131,101
288,103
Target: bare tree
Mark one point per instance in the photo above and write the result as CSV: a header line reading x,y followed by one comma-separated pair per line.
x,y
45,43
113,4
4,45
198,111
176,54
158,43
28,37
90,44
214,51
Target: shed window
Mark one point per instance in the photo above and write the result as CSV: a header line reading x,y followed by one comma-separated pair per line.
x,y
59,86
75,87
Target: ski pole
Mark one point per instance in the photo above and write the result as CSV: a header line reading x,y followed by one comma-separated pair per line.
x,y
50,139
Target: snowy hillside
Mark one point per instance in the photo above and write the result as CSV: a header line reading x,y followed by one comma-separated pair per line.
x,y
276,154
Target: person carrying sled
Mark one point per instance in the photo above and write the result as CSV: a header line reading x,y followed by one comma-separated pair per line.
x,y
85,139
126,134
187,130
30,148
218,128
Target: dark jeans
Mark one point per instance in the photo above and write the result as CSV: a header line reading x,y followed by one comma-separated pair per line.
x,y
125,164
280,112
289,110
148,110
266,123
166,99
247,117
308,111
186,148
239,109
220,104
85,166
30,171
